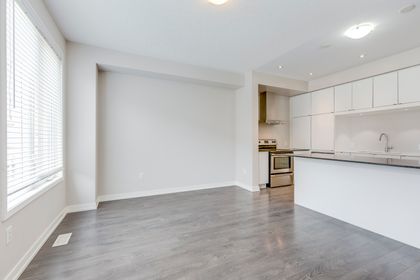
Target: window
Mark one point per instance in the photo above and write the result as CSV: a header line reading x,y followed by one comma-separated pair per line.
x,y
34,108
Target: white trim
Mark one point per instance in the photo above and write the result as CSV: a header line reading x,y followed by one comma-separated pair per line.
x,y
29,197
22,264
82,207
3,110
248,188
382,109
42,27
110,197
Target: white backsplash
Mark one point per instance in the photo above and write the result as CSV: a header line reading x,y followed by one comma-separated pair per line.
x,y
361,133
279,132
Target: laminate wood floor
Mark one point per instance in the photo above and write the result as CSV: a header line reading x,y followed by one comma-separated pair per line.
x,y
225,233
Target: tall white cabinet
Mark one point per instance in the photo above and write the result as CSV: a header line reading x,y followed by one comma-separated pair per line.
x,y
313,120
323,132
301,132
301,122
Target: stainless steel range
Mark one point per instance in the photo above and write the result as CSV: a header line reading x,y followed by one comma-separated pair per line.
x,y
280,163
281,168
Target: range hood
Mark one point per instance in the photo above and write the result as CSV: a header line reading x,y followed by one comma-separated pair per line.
x,y
274,109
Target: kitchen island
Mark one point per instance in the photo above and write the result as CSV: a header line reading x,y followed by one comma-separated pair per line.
x,y
380,195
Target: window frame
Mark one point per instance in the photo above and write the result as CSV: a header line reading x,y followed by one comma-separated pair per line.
x,y
43,188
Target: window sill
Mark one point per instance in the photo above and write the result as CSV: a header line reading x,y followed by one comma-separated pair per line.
x,y
28,198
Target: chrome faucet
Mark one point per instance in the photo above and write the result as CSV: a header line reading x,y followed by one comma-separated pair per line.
x,y
387,147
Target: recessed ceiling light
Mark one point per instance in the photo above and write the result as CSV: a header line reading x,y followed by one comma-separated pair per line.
x,y
280,67
359,31
218,2
310,74
407,9
362,55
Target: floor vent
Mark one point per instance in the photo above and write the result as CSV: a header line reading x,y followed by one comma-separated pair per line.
x,y
62,239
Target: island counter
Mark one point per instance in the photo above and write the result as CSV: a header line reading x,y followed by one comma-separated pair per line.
x,y
380,195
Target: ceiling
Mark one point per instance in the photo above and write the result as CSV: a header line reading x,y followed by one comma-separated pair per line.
x,y
302,35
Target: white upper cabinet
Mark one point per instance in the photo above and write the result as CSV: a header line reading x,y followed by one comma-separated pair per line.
x,y
323,132
323,101
301,105
301,133
385,89
343,98
409,85
363,94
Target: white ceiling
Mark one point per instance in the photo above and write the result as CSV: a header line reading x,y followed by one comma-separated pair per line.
x,y
243,34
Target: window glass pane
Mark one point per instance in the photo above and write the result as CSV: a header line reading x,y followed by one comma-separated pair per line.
x,y
281,163
34,106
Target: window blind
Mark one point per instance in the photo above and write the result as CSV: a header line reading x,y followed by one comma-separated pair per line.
x,y
34,107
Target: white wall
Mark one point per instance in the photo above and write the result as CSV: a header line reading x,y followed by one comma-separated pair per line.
x,y
81,127
82,106
30,223
175,134
361,133
245,137
30,226
387,64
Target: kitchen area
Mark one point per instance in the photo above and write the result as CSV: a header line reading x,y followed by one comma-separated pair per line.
x,y
351,151
275,153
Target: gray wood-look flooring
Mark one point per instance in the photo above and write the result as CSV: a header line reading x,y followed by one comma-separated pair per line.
x,y
225,233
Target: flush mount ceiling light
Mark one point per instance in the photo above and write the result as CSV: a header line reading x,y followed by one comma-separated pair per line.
x,y
280,67
218,2
362,55
311,74
360,30
407,9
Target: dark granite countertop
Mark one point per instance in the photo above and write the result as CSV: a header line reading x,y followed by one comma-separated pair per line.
x,y
283,150
367,160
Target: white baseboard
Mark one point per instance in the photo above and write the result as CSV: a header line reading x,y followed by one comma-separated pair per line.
x,y
82,207
247,187
20,267
110,197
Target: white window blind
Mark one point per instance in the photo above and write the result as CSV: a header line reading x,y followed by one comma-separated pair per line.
x,y
34,107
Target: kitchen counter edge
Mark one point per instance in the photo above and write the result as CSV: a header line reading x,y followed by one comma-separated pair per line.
x,y
405,163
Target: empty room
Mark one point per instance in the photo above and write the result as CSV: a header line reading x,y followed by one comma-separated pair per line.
x,y
210,139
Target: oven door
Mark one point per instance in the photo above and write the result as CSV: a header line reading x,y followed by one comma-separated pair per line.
x,y
281,164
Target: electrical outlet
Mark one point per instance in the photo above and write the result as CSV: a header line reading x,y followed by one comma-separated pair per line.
x,y
419,147
244,171
141,175
9,234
